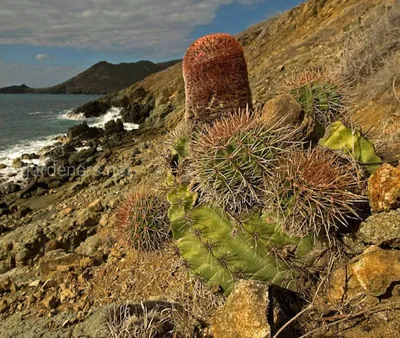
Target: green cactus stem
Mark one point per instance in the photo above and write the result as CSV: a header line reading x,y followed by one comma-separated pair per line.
x,y
221,252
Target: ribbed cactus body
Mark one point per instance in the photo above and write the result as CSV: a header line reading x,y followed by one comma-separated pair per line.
x,y
259,249
233,160
322,101
216,79
352,143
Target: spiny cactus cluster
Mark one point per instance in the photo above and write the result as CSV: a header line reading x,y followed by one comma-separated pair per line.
x,y
216,80
143,220
234,160
258,250
249,198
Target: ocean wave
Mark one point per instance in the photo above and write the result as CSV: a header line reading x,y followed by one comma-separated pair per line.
x,y
113,113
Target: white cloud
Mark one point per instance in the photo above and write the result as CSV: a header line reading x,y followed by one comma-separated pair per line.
x,y
35,76
161,27
40,57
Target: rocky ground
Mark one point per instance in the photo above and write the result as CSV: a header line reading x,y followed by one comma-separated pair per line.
x,y
65,271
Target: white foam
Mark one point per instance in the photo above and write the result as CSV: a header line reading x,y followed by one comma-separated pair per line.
x,y
7,156
67,115
33,146
114,113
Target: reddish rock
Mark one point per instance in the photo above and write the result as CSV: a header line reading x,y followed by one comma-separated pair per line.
x,y
384,189
371,273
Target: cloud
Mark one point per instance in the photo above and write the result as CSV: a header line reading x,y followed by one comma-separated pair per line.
x,y
161,27
40,57
35,76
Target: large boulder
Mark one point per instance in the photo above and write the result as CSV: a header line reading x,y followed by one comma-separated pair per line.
x,y
92,109
83,132
136,112
114,127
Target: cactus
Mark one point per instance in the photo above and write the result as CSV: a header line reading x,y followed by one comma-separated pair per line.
x,y
318,191
216,79
352,143
259,250
322,96
143,219
233,160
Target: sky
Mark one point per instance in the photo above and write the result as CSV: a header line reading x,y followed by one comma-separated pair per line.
x,y
45,42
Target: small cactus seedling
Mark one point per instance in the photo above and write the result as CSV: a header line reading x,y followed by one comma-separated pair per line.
x,y
216,79
318,191
322,96
143,219
233,159
258,250
351,143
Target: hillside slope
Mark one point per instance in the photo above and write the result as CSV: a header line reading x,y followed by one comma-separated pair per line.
x,y
101,78
314,34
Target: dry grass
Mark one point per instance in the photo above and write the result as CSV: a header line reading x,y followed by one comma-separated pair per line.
x,y
372,43
149,319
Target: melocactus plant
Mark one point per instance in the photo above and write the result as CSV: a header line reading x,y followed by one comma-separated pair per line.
x,y
235,159
143,219
322,95
318,191
216,79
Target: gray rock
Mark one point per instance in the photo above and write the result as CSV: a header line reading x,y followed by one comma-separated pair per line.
x,y
90,246
382,229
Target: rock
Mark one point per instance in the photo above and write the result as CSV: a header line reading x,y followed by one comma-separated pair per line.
x,y
371,273
31,156
384,189
57,260
23,256
96,206
90,246
244,314
18,164
377,269
3,228
382,229
2,166
23,211
114,127
83,132
3,306
137,112
50,302
81,156
92,109
282,110
10,188
3,211
5,284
